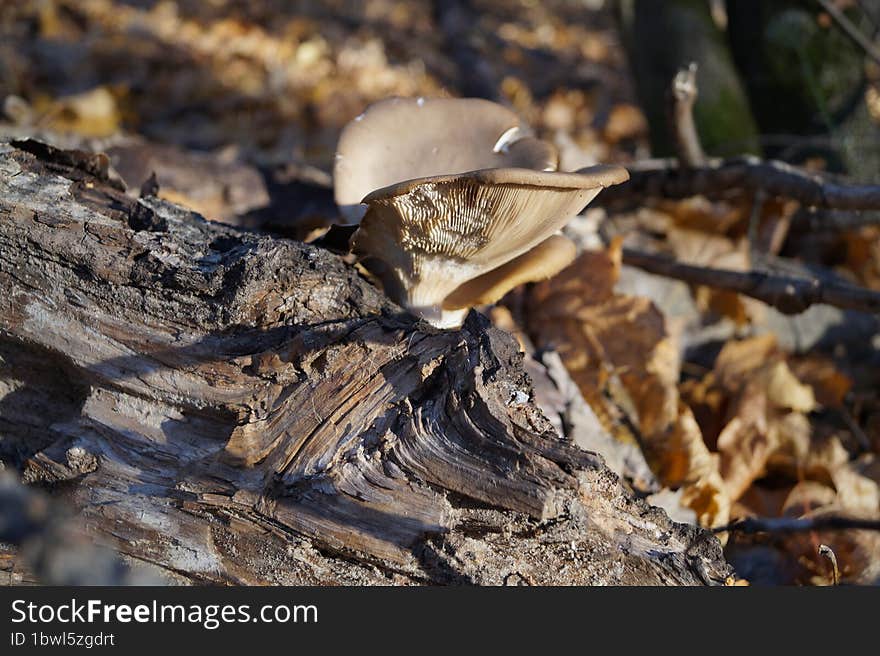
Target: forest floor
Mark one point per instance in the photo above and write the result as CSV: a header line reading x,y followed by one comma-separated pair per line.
x,y
740,411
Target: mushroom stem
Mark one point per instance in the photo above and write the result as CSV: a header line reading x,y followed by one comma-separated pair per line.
x,y
438,317
421,296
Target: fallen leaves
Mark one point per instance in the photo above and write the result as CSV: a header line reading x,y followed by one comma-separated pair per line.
x,y
93,113
738,440
745,428
625,361
775,459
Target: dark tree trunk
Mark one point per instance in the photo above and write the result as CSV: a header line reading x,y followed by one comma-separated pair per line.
x,y
662,38
806,81
231,407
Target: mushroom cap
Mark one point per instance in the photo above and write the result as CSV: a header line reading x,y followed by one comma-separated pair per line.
x,y
432,235
404,138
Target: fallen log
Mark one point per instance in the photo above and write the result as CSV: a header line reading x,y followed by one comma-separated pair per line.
x,y
222,406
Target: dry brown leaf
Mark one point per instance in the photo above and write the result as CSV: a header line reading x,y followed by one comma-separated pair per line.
x,y
862,249
619,351
706,249
733,581
793,437
738,360
830,385
625,121
713,250
761,501
708,402
697,471
757,408
723,303
698,213
806,497
92,113
744,452
784,390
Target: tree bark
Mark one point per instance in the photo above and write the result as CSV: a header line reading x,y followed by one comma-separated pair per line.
x,y
229,407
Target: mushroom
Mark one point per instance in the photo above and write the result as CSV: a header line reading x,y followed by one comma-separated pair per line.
x,y
405,138
443,244
540,263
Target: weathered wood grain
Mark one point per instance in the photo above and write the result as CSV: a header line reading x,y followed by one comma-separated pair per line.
x,y
231,407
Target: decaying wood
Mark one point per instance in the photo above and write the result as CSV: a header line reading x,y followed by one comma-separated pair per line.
x,y
225,406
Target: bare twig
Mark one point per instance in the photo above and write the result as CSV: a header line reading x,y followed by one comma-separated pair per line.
x,y
850,29
802,525
665,179
682,96
834,220
828,552
758,199
788,294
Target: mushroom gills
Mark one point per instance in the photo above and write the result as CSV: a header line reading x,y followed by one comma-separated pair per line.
x,y
430,238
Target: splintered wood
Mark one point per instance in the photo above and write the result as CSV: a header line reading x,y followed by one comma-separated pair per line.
x,y
229,407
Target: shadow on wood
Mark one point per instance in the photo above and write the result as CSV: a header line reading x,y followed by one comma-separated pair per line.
x,y
235,408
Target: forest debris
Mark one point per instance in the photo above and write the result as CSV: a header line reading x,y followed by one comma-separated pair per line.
x,y
192,352
92,113
788,294
750,406
664,179
830,385
706,248
625,122
620,353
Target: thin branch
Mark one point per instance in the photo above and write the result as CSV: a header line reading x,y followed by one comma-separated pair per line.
x,y
665,179
803,525
682,96
833,220
849,28
758,199
788,294
828,552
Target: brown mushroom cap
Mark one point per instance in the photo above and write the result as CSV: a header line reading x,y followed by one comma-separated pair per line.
x,y
435,234
404,138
